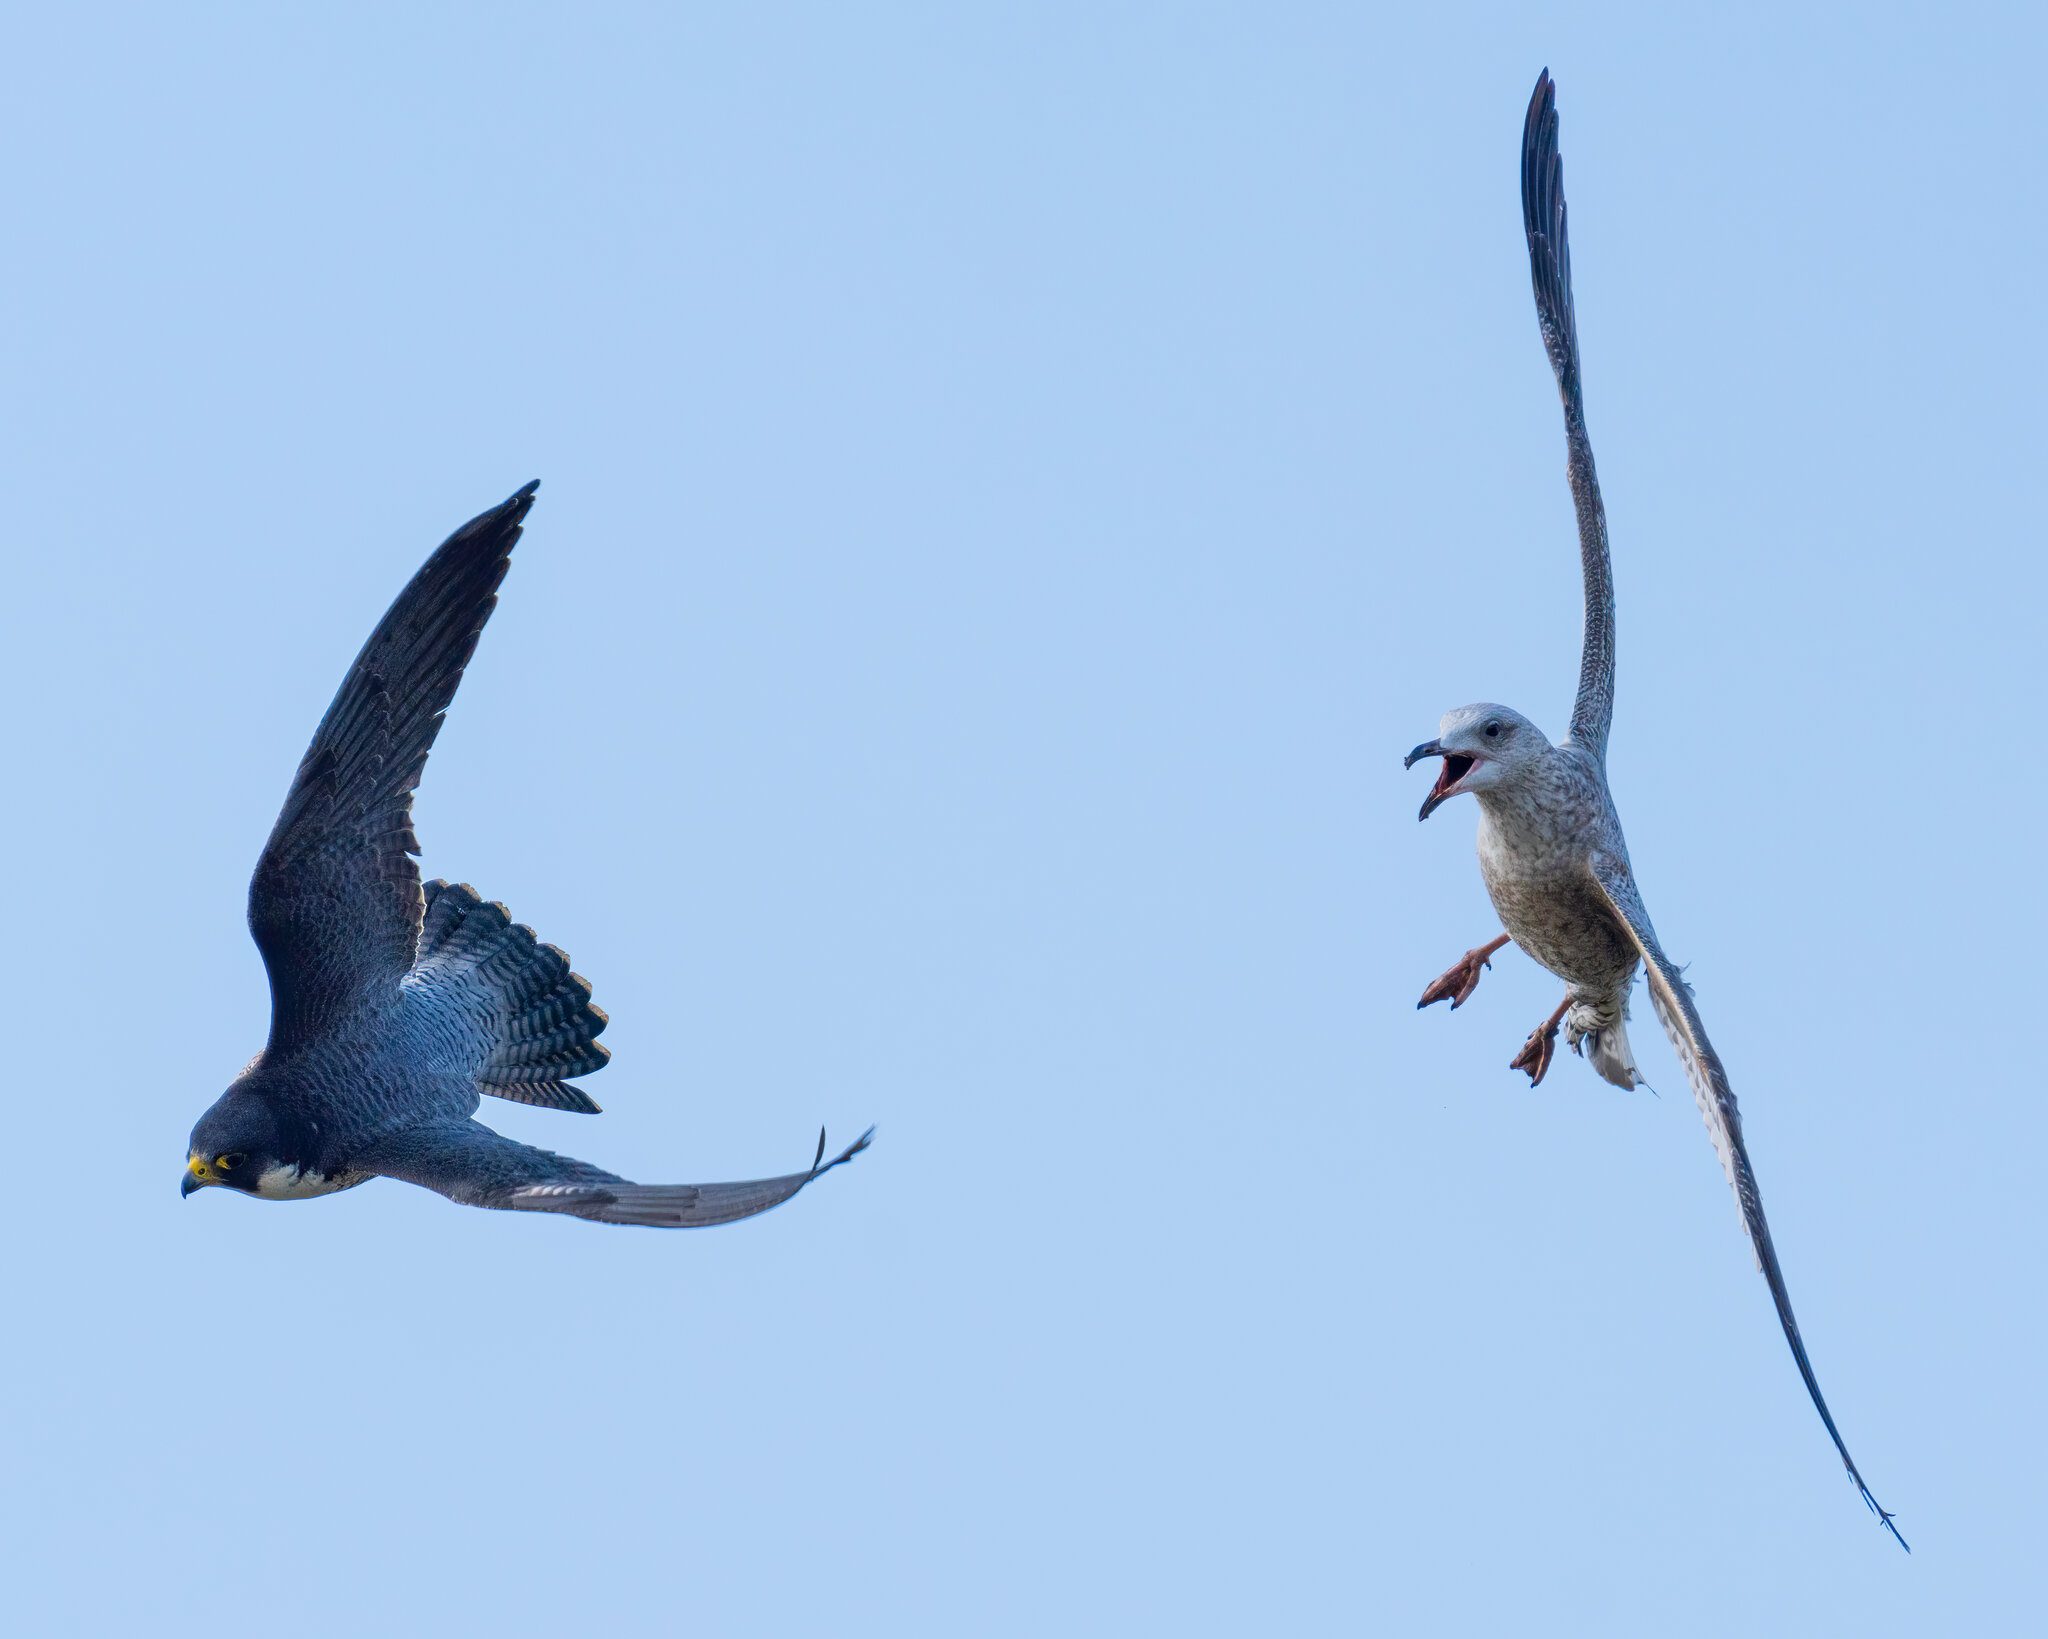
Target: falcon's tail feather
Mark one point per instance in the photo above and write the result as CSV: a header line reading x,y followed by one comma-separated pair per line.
x,y
538,1016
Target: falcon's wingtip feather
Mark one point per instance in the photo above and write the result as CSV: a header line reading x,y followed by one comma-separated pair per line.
x,y
843,1156
1542,105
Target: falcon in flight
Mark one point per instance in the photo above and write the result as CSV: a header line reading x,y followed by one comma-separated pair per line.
x,y
1550,843
394,1007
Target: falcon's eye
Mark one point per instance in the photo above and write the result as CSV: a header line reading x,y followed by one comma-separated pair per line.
x,y
1493,731
228,1163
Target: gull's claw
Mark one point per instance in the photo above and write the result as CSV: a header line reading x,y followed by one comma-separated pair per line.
x,y
1457,984
1536,1054
1537,1051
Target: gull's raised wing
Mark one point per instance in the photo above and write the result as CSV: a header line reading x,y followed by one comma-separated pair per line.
x,y
335,902
1672,999
469,1163
1550,271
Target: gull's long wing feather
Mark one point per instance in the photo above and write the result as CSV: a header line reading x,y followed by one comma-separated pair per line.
x,y
335,902
1672,999
469,1163
1550,271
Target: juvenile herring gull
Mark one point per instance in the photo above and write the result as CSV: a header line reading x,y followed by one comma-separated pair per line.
x,y
1550,843
395,1007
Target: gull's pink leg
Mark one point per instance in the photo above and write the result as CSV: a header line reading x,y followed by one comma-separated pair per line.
x,y
1535,1054
1462,980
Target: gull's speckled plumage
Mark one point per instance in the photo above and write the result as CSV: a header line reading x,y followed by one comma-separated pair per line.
x,y
1550,843
1535,837
396,1006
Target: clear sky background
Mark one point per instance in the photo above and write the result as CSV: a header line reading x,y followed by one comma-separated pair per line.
x,y
1016,480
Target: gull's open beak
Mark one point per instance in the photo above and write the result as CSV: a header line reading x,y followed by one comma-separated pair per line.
x,y
1456,766
191,1180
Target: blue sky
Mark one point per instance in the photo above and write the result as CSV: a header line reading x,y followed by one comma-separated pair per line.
x,y
1016,479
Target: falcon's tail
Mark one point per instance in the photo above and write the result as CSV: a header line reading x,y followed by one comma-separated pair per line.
x,y
536,1016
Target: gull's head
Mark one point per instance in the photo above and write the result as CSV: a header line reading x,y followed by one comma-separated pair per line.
x,y
1484,748
235,1144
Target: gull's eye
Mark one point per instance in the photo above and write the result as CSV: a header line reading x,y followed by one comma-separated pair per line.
x,y
230,1161
1493,731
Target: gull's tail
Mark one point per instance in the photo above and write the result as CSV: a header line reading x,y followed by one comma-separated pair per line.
x,y
1604,1041
1610,1053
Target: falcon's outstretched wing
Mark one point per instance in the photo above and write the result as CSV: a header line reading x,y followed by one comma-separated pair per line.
x,y
1550,271
1672,999
335,902
477,1167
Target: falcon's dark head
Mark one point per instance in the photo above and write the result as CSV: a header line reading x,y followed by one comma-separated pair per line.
x,y
236,1144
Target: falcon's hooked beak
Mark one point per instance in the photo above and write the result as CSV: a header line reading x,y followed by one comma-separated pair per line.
x,y
1456,766
197,1176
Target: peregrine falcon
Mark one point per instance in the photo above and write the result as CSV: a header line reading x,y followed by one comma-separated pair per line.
x,y
394,1007
1550,843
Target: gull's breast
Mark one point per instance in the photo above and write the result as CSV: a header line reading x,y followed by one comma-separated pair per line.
x,y
1552,907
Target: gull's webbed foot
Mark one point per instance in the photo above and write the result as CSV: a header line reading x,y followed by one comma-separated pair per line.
x,y
1536,1052
1458,984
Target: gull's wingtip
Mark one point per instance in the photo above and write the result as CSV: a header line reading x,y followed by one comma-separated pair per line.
x,y
1883,1514
510,511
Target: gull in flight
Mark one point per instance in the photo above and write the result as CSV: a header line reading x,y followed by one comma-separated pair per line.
x,y
1550,843
394,1007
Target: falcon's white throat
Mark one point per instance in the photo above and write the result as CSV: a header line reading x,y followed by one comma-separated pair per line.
x,y
289,1183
